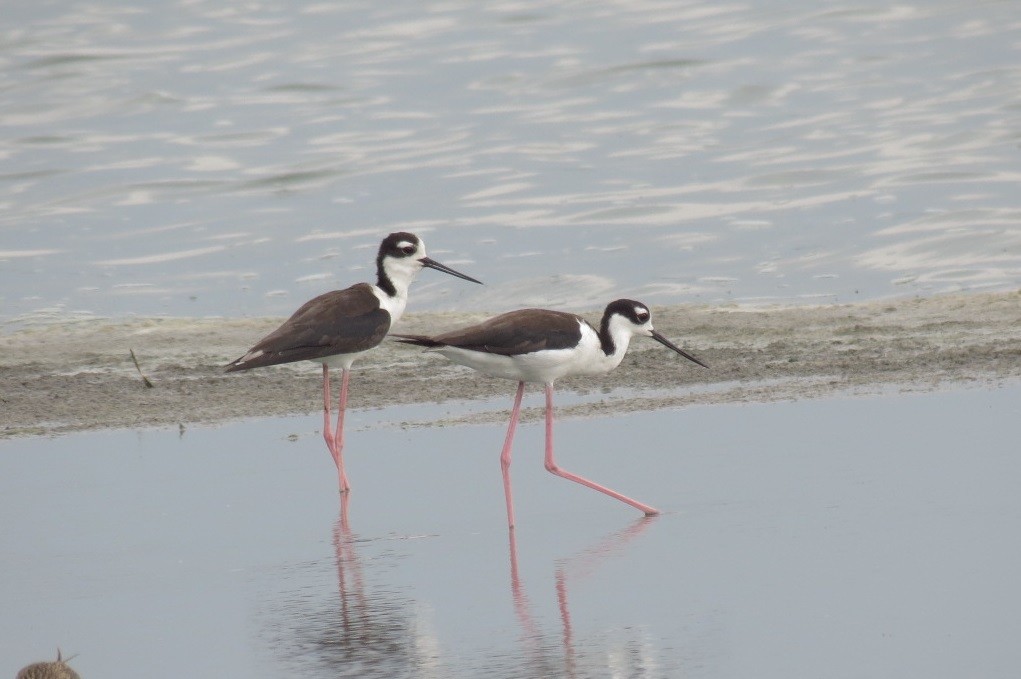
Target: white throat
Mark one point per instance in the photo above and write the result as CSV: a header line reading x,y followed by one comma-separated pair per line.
x,y
621,331
591,360
401,272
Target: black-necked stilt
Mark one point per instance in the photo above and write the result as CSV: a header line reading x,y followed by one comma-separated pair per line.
x,y
337,327
539,345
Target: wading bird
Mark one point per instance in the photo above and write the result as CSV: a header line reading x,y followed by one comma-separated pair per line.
x,y
539,345
337,327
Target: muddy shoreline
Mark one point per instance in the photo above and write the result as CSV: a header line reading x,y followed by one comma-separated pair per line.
x,y
60,379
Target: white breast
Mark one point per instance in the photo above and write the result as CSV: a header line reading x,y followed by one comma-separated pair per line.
x,y
393,305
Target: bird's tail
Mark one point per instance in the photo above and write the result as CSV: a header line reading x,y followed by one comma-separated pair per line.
x,y
417,340
235,365
253,359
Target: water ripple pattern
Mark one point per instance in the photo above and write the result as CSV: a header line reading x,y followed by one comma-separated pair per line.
x,y
194,159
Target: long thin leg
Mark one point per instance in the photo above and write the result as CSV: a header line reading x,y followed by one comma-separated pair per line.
x,y
327,432
338,436
551,465
335,441
505,455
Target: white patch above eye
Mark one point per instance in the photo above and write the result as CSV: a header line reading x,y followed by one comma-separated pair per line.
x,y
641,313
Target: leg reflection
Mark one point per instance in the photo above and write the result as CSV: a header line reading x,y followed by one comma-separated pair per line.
x,y
522,608
566,571
350,583
368,633
363,628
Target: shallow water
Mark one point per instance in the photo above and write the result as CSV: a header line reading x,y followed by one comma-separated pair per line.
x,y
189,159
840,537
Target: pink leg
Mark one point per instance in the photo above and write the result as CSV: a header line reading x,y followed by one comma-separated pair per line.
x,y
338,436
327,420
551,465
505,456
335,441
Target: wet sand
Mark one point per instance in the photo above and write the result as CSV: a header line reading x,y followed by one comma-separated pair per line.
x,y
59,379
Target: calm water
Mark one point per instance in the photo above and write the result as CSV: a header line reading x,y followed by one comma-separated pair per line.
x,y
201,158
795,543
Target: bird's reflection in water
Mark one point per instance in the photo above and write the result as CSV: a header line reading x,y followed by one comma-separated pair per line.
x,y
544,658
367,630
374,632
361,632
350,583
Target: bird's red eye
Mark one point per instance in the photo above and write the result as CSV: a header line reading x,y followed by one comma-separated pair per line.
x,y
408,249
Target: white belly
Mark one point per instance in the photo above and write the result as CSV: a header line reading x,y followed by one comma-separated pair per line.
x,y
587,358
339,360
542,366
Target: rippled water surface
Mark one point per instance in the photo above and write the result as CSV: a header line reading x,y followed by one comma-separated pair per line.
x,y
197,158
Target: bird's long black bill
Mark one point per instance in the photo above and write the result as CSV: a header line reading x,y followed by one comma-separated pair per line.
x,y
667,343
433,264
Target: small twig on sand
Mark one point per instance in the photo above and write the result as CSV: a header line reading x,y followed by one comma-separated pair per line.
x,y
145,380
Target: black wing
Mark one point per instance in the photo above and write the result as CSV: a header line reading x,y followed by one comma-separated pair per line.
x,y
338,322
510,334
